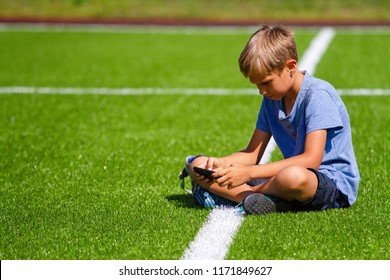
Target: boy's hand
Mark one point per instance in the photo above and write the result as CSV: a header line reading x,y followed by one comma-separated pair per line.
x,y
233,176
214,163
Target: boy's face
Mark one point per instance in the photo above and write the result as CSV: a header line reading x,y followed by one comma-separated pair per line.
x,y
273,85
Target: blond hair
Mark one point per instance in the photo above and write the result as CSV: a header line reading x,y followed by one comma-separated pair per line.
x,y
268,50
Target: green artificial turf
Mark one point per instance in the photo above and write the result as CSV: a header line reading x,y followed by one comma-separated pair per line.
x,y
96,177
353,61
134,59
120,60
92,177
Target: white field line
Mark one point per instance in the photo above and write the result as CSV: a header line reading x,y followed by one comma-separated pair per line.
x,y
364,91
214,238
158,29
316,49
166,91
124,91
123,29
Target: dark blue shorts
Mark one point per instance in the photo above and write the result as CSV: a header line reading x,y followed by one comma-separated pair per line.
x,y
327,196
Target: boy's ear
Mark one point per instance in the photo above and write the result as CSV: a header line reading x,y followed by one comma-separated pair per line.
x,y
291,65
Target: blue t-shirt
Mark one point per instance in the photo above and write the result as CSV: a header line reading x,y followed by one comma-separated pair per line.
x,y
317,107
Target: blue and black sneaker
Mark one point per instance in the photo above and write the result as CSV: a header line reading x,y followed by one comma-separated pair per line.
x,y
207,199
258,204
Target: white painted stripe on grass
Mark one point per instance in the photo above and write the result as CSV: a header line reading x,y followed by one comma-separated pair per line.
x,y
316,49
162,91
126,91
214,238
158,29
364,91
126,29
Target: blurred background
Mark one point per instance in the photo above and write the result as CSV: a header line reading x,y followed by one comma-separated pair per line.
x,y
198,12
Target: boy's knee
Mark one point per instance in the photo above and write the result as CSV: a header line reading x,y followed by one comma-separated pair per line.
x,y
297,183
199,161
292,178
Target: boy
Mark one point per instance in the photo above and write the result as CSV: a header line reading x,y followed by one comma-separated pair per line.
x,y
310,125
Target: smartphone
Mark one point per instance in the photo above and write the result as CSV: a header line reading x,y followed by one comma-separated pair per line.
x,y
205,172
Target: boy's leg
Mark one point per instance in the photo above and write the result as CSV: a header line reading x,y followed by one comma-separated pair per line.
x,y
289,185
236,194
293,183
326,194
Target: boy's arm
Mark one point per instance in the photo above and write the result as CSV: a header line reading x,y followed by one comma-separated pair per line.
x,y
310,158
251,155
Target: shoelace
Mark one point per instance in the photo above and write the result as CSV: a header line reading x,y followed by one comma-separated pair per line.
x,y
239,209
183,174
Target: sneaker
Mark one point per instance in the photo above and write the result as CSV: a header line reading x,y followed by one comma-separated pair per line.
x,y
258,204
204,198
239,209
283,205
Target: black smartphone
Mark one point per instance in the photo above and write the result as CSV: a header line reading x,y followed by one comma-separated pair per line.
x,y
205,172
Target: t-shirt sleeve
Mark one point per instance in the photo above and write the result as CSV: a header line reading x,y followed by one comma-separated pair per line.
x,y
322,112
262,119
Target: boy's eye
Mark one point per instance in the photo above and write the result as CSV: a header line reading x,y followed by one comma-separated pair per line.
x,y
265,83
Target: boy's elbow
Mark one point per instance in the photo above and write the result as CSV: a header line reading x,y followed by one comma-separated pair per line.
x,y
250,154
314,164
